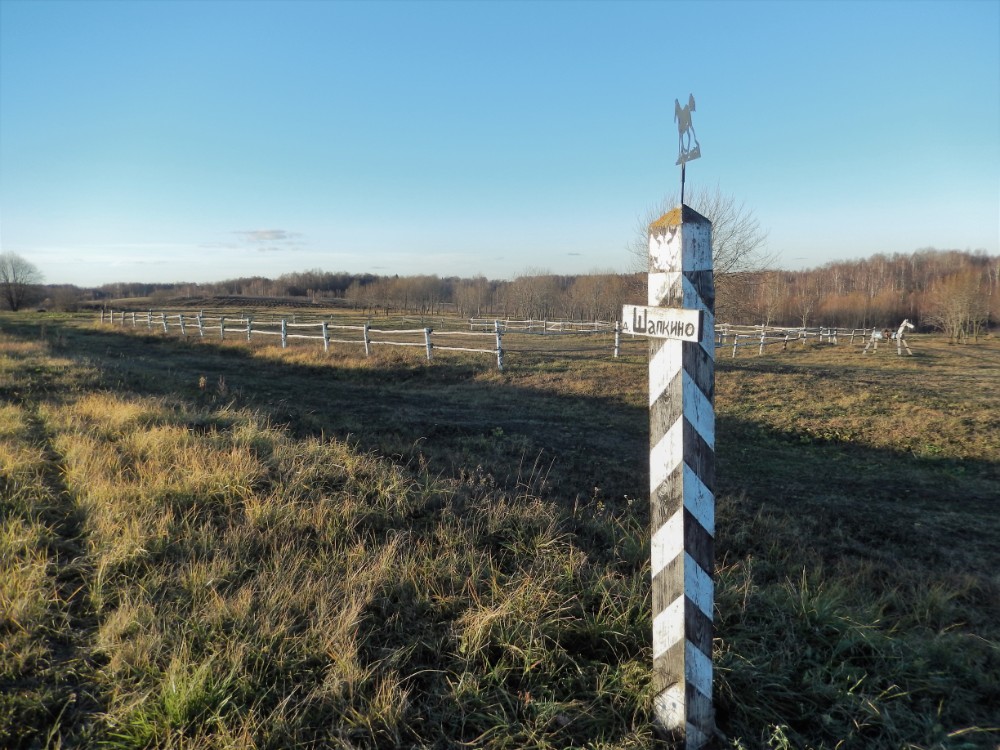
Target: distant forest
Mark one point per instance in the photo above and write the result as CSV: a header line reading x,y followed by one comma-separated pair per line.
x,y
926,286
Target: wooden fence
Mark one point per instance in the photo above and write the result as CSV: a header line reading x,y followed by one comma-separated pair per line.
x,y
329,333
542,327
592,336
761,337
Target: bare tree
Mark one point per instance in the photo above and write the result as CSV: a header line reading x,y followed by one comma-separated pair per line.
x,y
17,277
473,296
771,296
959,306
738,251
535,293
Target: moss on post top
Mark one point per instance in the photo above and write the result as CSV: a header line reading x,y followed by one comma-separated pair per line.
x,y
683,214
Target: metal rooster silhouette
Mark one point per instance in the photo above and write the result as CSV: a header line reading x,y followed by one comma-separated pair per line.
x,y
685,132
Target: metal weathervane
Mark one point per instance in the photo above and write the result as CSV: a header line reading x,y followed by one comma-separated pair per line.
x,y
685,135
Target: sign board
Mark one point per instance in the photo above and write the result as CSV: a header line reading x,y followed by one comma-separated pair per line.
x,y
662,322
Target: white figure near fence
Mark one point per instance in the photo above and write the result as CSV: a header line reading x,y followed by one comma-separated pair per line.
x,y
884,334
901,337
873,340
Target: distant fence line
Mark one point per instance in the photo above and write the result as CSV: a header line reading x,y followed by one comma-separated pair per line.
x,y
727,336
542,326
760,337
249,326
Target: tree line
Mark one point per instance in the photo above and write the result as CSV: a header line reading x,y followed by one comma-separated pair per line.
x,y
536,293
955,291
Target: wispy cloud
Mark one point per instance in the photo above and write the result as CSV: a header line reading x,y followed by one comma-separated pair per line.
x,y
270,240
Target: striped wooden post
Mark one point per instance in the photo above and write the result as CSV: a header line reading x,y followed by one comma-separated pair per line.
x,y
368,341
682,479
284,333
618,338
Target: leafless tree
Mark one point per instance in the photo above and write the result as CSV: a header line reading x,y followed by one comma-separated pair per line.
x,y
473,296
959,306
535,293
595,296
17,278
738,247
771,296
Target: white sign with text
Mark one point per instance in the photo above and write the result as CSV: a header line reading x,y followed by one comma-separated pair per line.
x,y
662,322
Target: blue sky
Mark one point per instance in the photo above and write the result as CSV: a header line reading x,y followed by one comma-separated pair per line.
x,y
198,141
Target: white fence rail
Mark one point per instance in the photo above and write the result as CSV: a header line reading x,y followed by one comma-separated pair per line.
x,y
189,323
727,337
760,337
541,326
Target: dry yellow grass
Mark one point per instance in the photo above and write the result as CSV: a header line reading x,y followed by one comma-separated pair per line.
x,y
324,551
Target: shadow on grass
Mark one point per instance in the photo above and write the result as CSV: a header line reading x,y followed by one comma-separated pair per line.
x,y
461,421
455,419
908,542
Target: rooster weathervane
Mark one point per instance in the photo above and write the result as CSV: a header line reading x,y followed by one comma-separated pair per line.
x,y
685,135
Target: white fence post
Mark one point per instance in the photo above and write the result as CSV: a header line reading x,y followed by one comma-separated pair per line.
x,y
496,327
618,338
149,319
326,337
284,333
427,341
249,326
368,341
201,325
163,320
682,479
183,331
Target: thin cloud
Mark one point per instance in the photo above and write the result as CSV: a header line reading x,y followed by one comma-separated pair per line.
x,y
270,240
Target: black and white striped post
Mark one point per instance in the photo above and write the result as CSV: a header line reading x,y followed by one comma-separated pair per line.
x,y
680,321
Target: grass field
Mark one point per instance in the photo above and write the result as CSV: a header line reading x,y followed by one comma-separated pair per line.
x,y
207,545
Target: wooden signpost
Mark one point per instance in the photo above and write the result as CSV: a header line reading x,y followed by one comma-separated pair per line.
x,y
680,321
